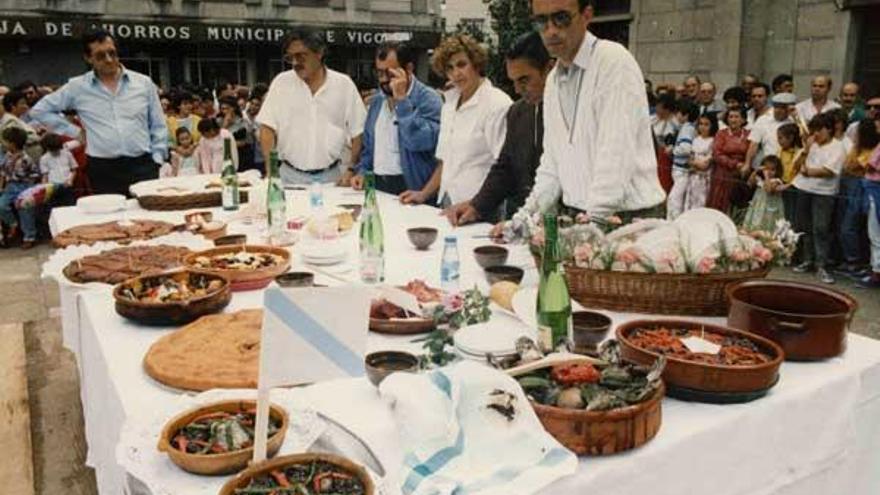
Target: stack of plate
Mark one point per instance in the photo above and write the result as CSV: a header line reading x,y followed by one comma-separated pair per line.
x,y
323,253
475,342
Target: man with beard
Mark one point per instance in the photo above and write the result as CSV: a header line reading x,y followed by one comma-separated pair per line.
x,y
402,126
310,114
511,178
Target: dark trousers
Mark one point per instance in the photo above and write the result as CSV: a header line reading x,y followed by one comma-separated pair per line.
x,y
851,219
789,202
391,184
815,216
115,175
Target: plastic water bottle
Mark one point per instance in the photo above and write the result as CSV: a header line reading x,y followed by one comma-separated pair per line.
x,y
316,194
449,265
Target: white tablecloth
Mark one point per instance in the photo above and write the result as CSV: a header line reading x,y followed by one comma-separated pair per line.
x,y
815,433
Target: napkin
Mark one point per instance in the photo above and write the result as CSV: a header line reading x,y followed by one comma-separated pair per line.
x,y
454,443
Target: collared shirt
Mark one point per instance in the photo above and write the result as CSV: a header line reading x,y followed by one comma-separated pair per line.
x,y
764,133
751,116
604,163
471,137
313,130
807,110
128,123
386,152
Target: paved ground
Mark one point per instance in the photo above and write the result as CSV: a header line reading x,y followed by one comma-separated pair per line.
x,y
53,385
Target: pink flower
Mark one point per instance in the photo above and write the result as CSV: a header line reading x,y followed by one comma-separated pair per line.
x,y
628,256
706,265
739,256
582,254
452,302
762,253
538,238
615,220
582,218
668,258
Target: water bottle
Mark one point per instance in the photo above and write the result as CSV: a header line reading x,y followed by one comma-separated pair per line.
x,y
316,194
449,267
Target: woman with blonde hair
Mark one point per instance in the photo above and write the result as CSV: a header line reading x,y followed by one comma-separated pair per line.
x,y
472,124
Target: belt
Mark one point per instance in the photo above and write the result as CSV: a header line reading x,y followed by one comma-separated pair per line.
x,y
311,172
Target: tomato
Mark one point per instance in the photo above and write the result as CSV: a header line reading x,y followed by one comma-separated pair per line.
x,y
575,374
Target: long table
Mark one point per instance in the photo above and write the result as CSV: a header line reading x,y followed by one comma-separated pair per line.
x,y
815,433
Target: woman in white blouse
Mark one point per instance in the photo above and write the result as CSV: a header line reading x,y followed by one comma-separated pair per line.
x,y
472,124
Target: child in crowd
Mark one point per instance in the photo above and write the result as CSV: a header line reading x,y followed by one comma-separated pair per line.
x,y
818,182
701,163
209,153
767,206
183,156
19,172
682,152
790,146
57,165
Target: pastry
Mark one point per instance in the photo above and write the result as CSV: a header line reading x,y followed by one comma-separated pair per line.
x,y
120,264
121,232
215,351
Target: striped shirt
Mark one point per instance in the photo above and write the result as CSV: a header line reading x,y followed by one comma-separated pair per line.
x,y
684,145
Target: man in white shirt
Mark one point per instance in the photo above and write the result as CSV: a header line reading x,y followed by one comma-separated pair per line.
x,y
762,138
310,114
759,97
598,147
819,101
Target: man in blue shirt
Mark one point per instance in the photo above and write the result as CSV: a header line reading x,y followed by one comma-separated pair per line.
x,y
125,133
402,126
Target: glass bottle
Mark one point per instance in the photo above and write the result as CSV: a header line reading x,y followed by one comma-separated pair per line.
x,y
554,303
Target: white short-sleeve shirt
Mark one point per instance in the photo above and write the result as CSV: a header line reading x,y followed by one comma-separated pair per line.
x,y
764,133
807,110
313,130
830,156
471,138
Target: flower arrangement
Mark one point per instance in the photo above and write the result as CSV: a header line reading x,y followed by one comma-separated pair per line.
x,y
455,311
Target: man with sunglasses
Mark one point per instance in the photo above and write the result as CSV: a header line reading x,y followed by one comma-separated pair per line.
x,y
120,110
402,126
311,114
598,147
871,111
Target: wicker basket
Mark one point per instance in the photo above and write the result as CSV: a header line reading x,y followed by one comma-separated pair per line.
x,y
208,199
655,293
599,433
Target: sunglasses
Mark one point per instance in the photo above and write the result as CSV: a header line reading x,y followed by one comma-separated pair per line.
x,y
873,107
561,20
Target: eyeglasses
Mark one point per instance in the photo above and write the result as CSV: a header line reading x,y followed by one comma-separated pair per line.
x,y
290,59
873,107
109,55
561,20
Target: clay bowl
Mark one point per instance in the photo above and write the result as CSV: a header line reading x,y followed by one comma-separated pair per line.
x,y
244,279
809,322
175,312
702,377
422,237
381,364
295,279
495,274
243,478
228,462
589,329
230,240
488,256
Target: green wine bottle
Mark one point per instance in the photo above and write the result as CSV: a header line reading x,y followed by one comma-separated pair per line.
x,y
554,304
276,205
372,239
229,178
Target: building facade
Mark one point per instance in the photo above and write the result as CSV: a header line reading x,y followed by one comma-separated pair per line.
x,y
203,42
721,40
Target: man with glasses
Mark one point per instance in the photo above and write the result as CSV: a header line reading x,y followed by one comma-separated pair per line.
x,y
310,114
120,110
598,147
402,126
872,111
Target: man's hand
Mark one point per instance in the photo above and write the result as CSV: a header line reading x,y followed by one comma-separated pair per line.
x,y
497,232
399,84
461,214
357,182
412,197
345,178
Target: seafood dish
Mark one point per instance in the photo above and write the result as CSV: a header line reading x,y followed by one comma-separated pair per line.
x,y
239,261
220,432
175,287
734,350
306,478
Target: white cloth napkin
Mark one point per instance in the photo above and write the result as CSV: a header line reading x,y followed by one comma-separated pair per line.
x,y
454,443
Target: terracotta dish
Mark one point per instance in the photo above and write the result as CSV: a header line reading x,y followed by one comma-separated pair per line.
x,y
242,479
171,298
246,267
120,264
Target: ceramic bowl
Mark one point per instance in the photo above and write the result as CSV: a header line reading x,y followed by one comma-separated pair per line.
x,y
495,274
422,237
589,329
296,279
242,479
488,256
381,364
230,240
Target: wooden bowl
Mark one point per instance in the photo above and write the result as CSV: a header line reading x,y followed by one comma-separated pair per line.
x,y
243,478
176,312
381,364
703,377
228,462
245,279
490,255
598,433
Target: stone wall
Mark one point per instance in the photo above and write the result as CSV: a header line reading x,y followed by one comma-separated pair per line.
x,y
723,39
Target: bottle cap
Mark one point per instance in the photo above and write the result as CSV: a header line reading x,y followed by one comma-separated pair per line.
x,y
450,238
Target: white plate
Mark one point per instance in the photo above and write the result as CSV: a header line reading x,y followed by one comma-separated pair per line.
x,y
325,261
495,337
102,203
